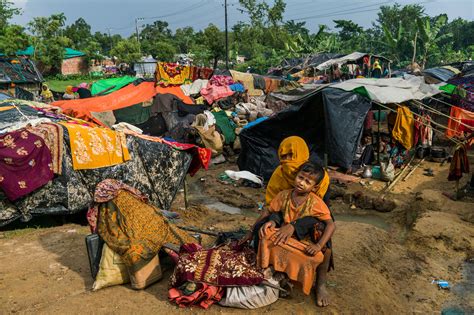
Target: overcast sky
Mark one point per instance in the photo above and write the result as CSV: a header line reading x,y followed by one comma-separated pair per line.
x,y
119,15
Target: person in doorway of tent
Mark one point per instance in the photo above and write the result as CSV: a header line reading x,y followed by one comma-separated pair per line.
x,y
83,90
365,152
46,94
69,93
376,69
295,238
336,74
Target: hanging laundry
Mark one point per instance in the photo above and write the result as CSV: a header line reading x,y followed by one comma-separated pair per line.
x,y
172,74
459,163
52,135
423,131
403,131
96,147
25,163
221,80
457,115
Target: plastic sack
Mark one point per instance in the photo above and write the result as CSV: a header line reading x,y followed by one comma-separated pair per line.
x,y
387,171
244,175
250,297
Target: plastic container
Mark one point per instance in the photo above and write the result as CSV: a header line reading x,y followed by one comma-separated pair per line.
x,y
376,172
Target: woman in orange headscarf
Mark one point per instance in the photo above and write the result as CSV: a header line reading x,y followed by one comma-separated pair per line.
x,y
293,152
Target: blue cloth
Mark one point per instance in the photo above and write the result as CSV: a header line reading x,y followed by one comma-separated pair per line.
x,y
255,122
237,87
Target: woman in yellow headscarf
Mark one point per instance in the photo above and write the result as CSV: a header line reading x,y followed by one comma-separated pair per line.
x,y
293,152
46,94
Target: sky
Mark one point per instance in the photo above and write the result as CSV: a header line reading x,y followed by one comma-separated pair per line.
x,y
119,15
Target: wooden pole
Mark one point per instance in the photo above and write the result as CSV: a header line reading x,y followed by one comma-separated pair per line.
x,y
413,170
185,194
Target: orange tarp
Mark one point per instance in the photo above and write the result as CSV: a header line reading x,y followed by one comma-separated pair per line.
x,y
129,95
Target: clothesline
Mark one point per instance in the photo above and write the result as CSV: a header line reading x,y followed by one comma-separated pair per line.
x,y
443,114
446,103
421,122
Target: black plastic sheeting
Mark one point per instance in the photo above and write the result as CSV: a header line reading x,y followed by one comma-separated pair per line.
x,y
329,120
440,73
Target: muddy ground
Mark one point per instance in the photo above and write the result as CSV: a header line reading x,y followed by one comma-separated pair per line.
x,y
385,262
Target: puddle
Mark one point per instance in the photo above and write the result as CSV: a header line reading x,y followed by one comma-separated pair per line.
x,y
463,292
220,206
368,219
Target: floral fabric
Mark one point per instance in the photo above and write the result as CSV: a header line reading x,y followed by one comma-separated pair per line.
x,y
222,266
52,135
173,74
25,163
96,147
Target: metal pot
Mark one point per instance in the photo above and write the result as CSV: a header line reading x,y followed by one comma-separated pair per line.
x,y
438,153
367,172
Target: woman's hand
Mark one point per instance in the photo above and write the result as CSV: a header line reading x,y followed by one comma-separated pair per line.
x,y
264,228
284,234
313,249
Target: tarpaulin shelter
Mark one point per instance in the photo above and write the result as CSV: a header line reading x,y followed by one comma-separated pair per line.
x,y
391,90
330,120
156,169
107,86
128,96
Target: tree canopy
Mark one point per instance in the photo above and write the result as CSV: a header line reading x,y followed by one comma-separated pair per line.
x,y
402,33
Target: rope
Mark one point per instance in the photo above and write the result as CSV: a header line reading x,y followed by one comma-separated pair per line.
x,y
442,114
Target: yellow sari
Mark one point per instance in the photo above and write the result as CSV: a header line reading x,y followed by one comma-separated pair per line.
x,y
296,153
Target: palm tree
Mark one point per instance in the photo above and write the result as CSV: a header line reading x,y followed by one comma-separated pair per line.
x,y
430,35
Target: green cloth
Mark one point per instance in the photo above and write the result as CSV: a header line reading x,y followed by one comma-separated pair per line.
x,y
226,126
117,83
448,88
68,52
135,114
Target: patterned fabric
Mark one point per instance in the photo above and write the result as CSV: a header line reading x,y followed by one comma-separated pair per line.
x,y
173,74
203,73
204,296
313,206
423,131
96,147
201,156
136,230
25,163
221,80
222,266
52,135
289,258
109,189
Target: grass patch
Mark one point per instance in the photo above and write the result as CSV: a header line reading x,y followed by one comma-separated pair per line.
x,y
60,86
20,232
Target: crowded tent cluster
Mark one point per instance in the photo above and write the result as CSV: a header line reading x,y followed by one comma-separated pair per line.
x,y
122,150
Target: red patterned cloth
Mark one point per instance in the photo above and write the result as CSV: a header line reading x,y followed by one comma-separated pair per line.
x,y
204,296
221,80
25,163
221,266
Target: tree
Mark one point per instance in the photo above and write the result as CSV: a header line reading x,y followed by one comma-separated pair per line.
x,y
214,39
7,11
164,50
184,39
49,41
79,33
430,34
127,50
13,38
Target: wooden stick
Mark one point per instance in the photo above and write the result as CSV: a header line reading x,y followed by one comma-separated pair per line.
x,y
413,170
395,181
185,194
194,229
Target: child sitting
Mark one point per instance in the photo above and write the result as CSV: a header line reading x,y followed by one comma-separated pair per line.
x,y
295,237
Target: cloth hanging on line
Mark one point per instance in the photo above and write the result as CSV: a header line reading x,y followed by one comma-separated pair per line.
x,y
96,147
403,130
459,163
173,74
454,126
423,131
25,163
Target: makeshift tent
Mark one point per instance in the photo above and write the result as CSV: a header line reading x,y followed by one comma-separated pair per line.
x,y
111,85
330,121
129,95
156,169
392,90
441,73
341,60
68,52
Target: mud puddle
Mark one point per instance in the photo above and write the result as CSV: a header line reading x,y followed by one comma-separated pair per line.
x,y
368,219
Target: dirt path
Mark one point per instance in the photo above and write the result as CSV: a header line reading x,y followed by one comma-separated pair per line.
x,y
384,261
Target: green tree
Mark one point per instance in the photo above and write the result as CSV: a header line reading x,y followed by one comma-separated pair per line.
x,y
127,50
184,39
7,11
163,50
79,33
49,41
430,34
214,39
13,38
